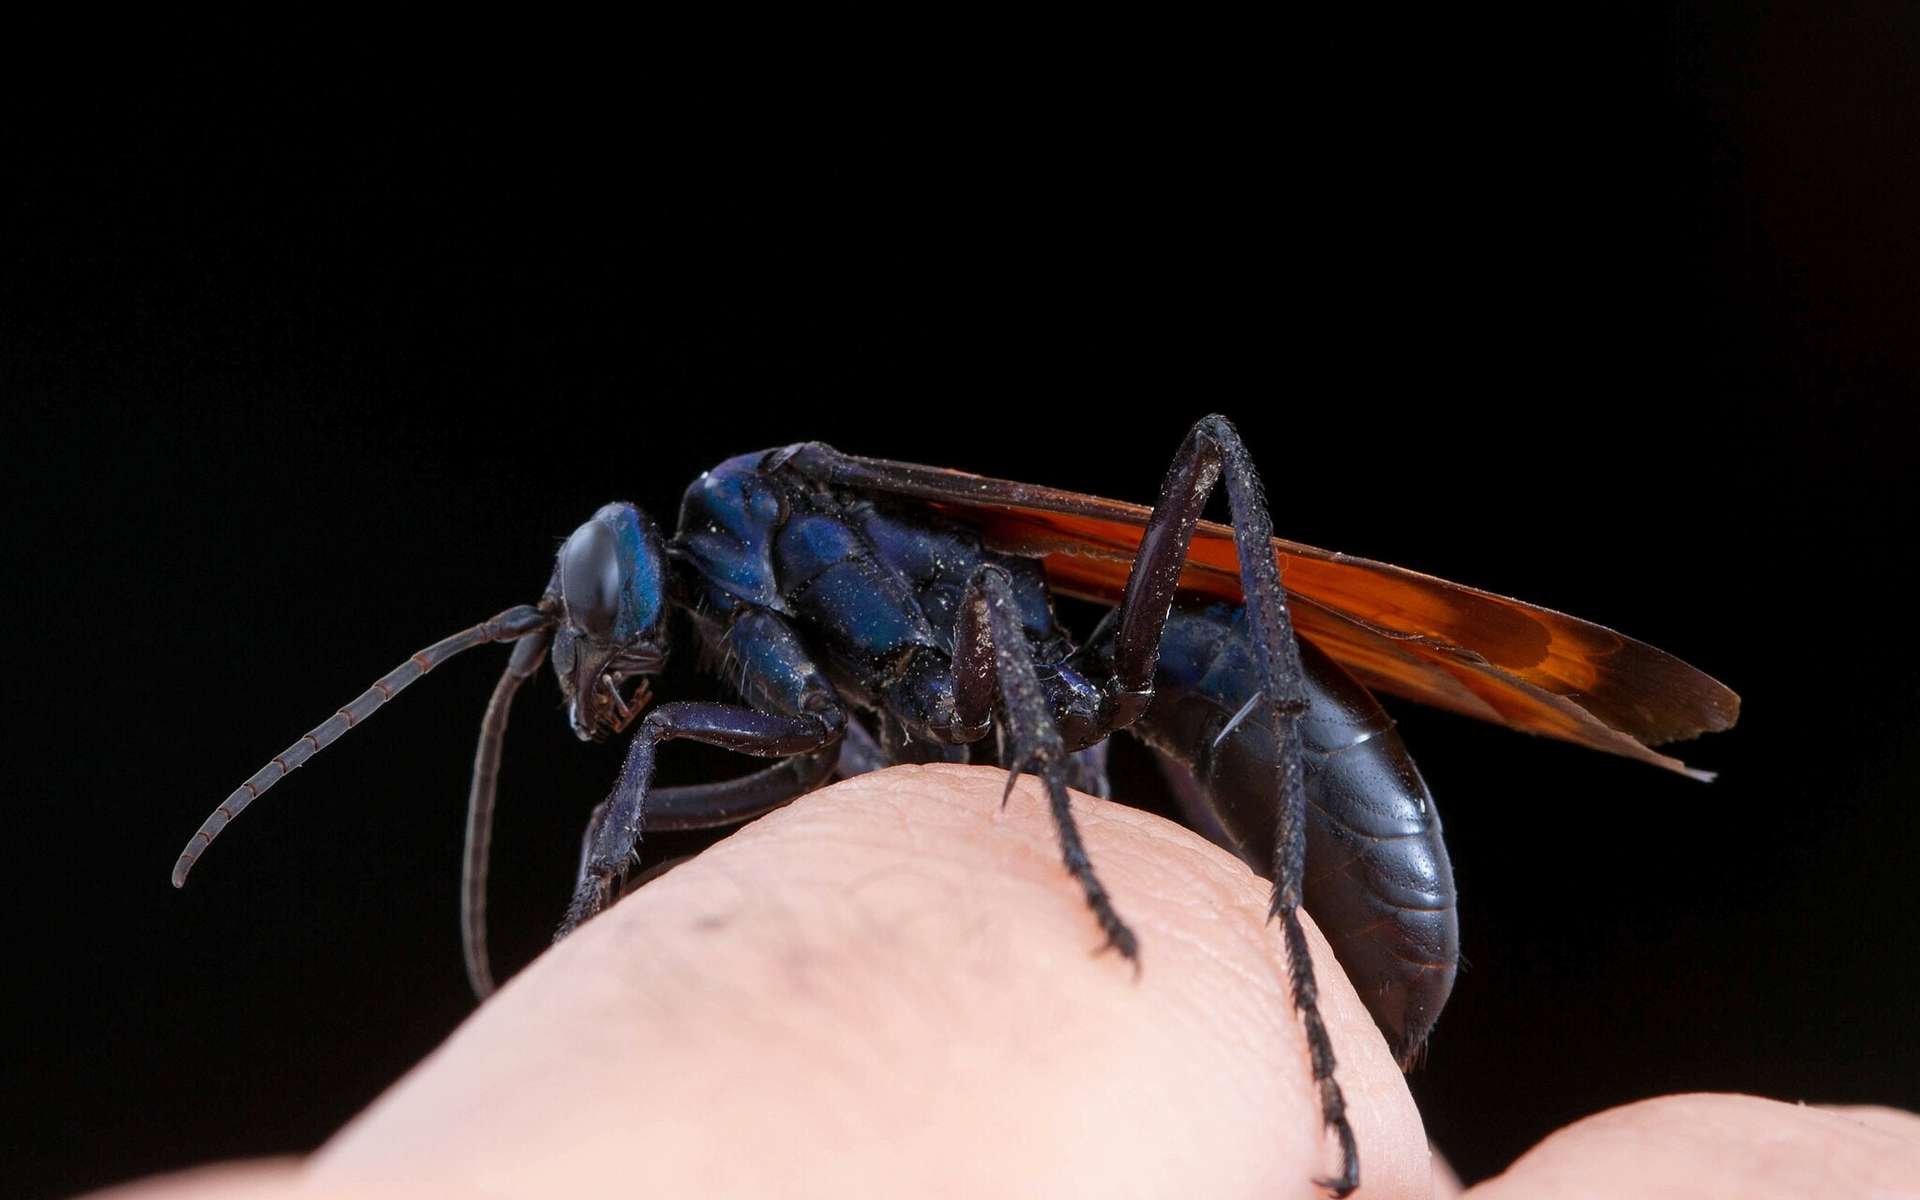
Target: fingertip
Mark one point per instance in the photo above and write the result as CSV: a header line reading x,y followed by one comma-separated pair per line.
x,y
1717,1145
862,990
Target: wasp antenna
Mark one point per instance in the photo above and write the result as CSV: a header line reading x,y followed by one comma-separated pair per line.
x,y
480,796
514,623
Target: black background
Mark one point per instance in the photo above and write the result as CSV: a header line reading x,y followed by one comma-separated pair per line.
x,y
306,370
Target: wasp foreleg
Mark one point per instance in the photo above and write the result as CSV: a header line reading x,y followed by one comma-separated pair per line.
x,y
733,801
779,672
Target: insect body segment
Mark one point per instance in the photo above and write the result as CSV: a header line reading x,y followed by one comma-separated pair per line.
x,y
1378,881
867,612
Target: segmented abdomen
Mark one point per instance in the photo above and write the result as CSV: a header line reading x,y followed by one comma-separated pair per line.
x,y
1378,884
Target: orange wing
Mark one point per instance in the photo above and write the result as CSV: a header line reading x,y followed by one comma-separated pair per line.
x,y
1398,631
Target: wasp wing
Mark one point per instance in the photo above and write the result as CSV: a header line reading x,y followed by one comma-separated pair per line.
x,y
1398,631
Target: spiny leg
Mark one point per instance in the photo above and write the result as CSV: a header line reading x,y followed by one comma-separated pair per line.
x,y
695,806
727,802
741,799
991,654
777,669
615,830
1213,451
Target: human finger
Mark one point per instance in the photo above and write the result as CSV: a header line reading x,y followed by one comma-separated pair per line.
x,y
888,988
1707,1145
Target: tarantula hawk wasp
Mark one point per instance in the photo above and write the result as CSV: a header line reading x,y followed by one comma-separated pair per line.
x,y
921,598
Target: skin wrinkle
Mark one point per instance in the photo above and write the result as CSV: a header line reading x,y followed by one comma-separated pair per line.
x,y
1015,863
1231,1021
1033,845
773,922
882,927
811,972
883,920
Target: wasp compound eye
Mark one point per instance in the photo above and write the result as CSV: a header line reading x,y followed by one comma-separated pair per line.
x,y
590,580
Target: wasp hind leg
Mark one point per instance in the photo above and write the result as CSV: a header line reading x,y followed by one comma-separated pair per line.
x,y
1212,454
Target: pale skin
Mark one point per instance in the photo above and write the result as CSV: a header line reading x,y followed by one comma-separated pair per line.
x,y
888,988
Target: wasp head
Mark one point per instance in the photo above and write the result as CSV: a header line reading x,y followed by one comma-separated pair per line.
x,y
610,586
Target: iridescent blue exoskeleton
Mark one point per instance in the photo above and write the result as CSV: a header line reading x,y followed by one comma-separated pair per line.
x,y
873,612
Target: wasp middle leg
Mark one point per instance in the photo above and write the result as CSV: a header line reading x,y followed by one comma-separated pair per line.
x,y
991,655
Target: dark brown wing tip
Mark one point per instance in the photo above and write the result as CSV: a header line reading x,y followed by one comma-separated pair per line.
x,y
1663,698
1720,711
